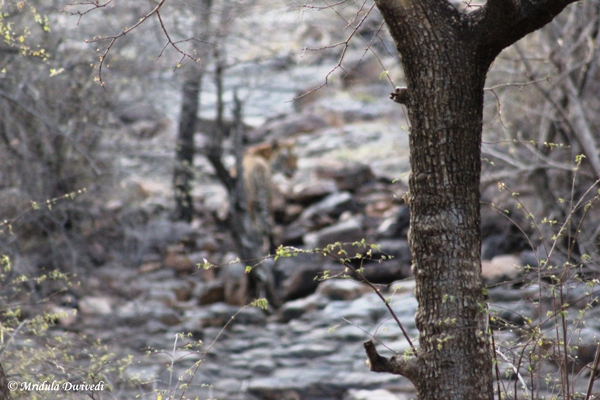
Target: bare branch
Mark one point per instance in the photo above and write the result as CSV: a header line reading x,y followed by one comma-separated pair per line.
x,y
387,304
582,130
94,5
345,45
397,365
53,127
577,123
518,84
173,44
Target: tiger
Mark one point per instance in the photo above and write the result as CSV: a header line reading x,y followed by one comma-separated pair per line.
x,y
260,162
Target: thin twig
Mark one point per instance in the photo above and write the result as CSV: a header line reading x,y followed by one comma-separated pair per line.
x,y
378,293
593,374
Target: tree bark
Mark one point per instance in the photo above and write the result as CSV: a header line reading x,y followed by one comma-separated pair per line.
x,y
4,390
184,147
445,56
183,175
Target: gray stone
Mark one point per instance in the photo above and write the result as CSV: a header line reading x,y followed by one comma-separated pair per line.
x,y
294,309
342,289
211,292
332,206
347,231
500,268
396,223
347,176
288,125
91,305
307,192
378,394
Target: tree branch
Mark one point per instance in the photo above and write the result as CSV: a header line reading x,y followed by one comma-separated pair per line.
x,y
501,23
396,365
582,130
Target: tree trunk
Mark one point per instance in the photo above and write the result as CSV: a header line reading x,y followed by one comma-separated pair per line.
x,y
4,390
446,55
190,105
446,116
183,175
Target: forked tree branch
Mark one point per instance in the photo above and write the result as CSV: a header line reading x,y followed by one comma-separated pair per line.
x,y
500,23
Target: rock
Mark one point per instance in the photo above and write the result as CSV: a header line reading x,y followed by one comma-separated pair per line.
x,y
396,223
386,272
63,316
399,249
347,231
494,245
379,394
348,176
405,286
284,384
308,192
169,317
211,292
379,191
198,259
139,312
296,308
307,350
584,342
500,268
342,289
148,129
331,206
361,377
287,125
157,234
184,291
149,266
97,253
217,315
292,234
95,305
529,258
146,375
501,235
377,204
175,259
292,211
164,296
504,294
235,282
295,277
130,113
208,244
514,312
362,311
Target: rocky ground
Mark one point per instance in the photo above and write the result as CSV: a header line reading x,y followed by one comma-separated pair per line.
x,y
345,190
348,187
